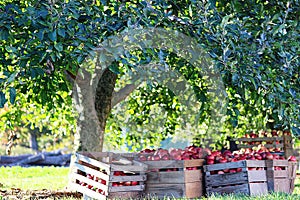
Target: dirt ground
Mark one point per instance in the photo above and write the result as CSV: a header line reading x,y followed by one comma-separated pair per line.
x,y
16,193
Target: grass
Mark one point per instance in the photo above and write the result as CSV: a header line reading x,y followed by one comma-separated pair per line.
x,y
54,178
36,178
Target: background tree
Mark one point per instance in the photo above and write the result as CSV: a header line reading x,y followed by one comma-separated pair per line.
x,y
255,46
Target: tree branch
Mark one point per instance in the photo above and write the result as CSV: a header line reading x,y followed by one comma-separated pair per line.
x,y
122,94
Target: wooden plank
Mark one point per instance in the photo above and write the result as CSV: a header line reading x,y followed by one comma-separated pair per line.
x,y
243,189
257,175
221,166
191,176
92,162
165,190
226,179
126,188
165,177
258,189
127,178
91,171
125,195
255,163
281,174
87,191
194,189
131,168
164,164
279,163
282,185
90,182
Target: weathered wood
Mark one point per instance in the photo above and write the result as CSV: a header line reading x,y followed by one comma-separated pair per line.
x,y
226,179
194,189
246,181
258,188
292,168
257,176
93,165
165,190
278,180
164,182
243,189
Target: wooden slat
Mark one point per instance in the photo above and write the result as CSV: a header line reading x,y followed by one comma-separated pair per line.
x,y
221,166
226,179
255,163
165,190
126,188
257,175
258,189
90,182
282,185
128,178
194,189
92,162
281,174
164,164
91,171
243,189
165,177
280,163
87,191
131,168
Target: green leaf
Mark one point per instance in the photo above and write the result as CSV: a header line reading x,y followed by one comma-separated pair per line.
x,y
2,99
12,95
52,36
58,46
61,32
12,77
4,34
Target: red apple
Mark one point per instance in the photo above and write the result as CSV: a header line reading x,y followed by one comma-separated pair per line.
x,y
292,159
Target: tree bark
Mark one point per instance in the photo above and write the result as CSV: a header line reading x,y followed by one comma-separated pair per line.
x,y
33,140
93,104
103,99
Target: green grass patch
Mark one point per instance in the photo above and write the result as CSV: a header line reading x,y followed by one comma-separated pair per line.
x,y
34,178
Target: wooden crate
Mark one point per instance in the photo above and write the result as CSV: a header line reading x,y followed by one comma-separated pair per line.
x,y
278,179
105,166
175,178
249,182
284,143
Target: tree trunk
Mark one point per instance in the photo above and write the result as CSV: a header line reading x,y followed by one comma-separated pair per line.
x,y
93,104
33,144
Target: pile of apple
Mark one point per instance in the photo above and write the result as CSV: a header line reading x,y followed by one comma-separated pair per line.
x,y
102,181
273,133
215,157
189,153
